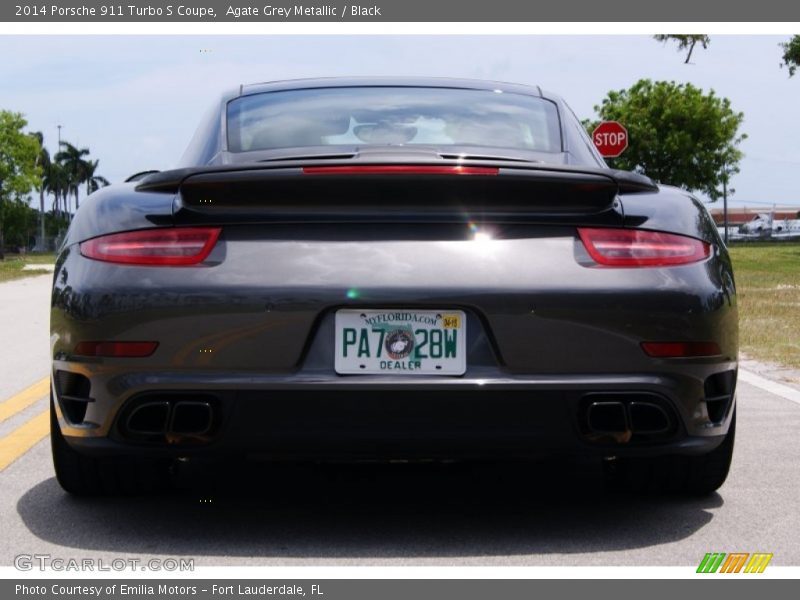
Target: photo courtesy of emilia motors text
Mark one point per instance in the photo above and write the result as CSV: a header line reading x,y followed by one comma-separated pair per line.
x,y
392,300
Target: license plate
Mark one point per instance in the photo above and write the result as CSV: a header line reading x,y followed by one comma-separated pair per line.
x,y
401,342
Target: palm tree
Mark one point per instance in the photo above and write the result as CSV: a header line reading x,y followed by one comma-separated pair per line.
x,y
43,162
71,158
93,182
56,182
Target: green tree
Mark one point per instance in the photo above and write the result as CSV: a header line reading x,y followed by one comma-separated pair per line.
x,y
677,134
56,182
19,223
685,42
72,161
19,173
790,58
791,54
93,181
55,223
43,162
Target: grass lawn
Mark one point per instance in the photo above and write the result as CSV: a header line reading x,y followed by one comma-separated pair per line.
x,y
768,284
12,266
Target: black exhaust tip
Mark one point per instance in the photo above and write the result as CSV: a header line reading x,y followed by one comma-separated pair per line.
x,y
648,418
607,417
191,418
148,418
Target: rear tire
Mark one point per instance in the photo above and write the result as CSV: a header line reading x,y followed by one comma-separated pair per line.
x,y
695,475
83,475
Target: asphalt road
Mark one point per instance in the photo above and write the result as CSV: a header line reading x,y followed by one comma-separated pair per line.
x,y
549,514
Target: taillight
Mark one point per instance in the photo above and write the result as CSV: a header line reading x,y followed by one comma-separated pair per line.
x,y
637,248
116,349
680,349
399,170
179,246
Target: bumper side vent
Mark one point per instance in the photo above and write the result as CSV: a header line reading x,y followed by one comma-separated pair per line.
x,y
73,392
719,390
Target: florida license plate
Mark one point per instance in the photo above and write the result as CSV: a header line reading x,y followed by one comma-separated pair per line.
x,y
401,342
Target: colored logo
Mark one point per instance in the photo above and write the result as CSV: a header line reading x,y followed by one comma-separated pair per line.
x,y
734,562
451,321
399,343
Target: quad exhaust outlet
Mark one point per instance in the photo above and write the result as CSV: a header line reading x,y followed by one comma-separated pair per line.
x,y
170,417
623,418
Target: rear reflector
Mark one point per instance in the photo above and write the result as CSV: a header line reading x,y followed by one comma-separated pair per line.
x,y
116,349
399,170
165,247
680,349
637,248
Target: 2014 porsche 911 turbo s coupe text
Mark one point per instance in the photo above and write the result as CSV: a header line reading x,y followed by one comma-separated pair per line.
x,y
370,269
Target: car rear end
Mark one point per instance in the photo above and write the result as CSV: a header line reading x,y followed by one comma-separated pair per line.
x,y
396,304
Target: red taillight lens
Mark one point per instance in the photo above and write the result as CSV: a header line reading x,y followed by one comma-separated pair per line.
x,y
180,246
637,248
116,349
399,170
680,349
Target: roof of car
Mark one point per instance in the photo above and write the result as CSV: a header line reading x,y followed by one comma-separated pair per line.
x,y
442,82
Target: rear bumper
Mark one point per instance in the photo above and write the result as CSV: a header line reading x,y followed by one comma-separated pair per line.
x,y
257,335
369,418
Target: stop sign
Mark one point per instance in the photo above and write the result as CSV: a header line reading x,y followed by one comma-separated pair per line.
x,y
610,138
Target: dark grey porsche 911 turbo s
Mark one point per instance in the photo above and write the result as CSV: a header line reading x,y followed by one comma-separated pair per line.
x,y
372,269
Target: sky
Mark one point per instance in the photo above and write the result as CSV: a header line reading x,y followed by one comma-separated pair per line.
x,y
135,100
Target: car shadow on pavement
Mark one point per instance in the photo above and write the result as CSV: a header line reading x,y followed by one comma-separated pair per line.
x,y
338,512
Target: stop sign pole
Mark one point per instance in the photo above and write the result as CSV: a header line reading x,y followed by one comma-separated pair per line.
x,y
610,138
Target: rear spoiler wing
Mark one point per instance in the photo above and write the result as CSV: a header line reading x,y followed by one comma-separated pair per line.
x,y
171,180
348,191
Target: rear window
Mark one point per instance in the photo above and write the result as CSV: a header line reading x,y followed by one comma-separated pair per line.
x,y
358,116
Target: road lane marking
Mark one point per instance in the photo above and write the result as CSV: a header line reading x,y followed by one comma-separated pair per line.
x,y
24,399
773,387
22,439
